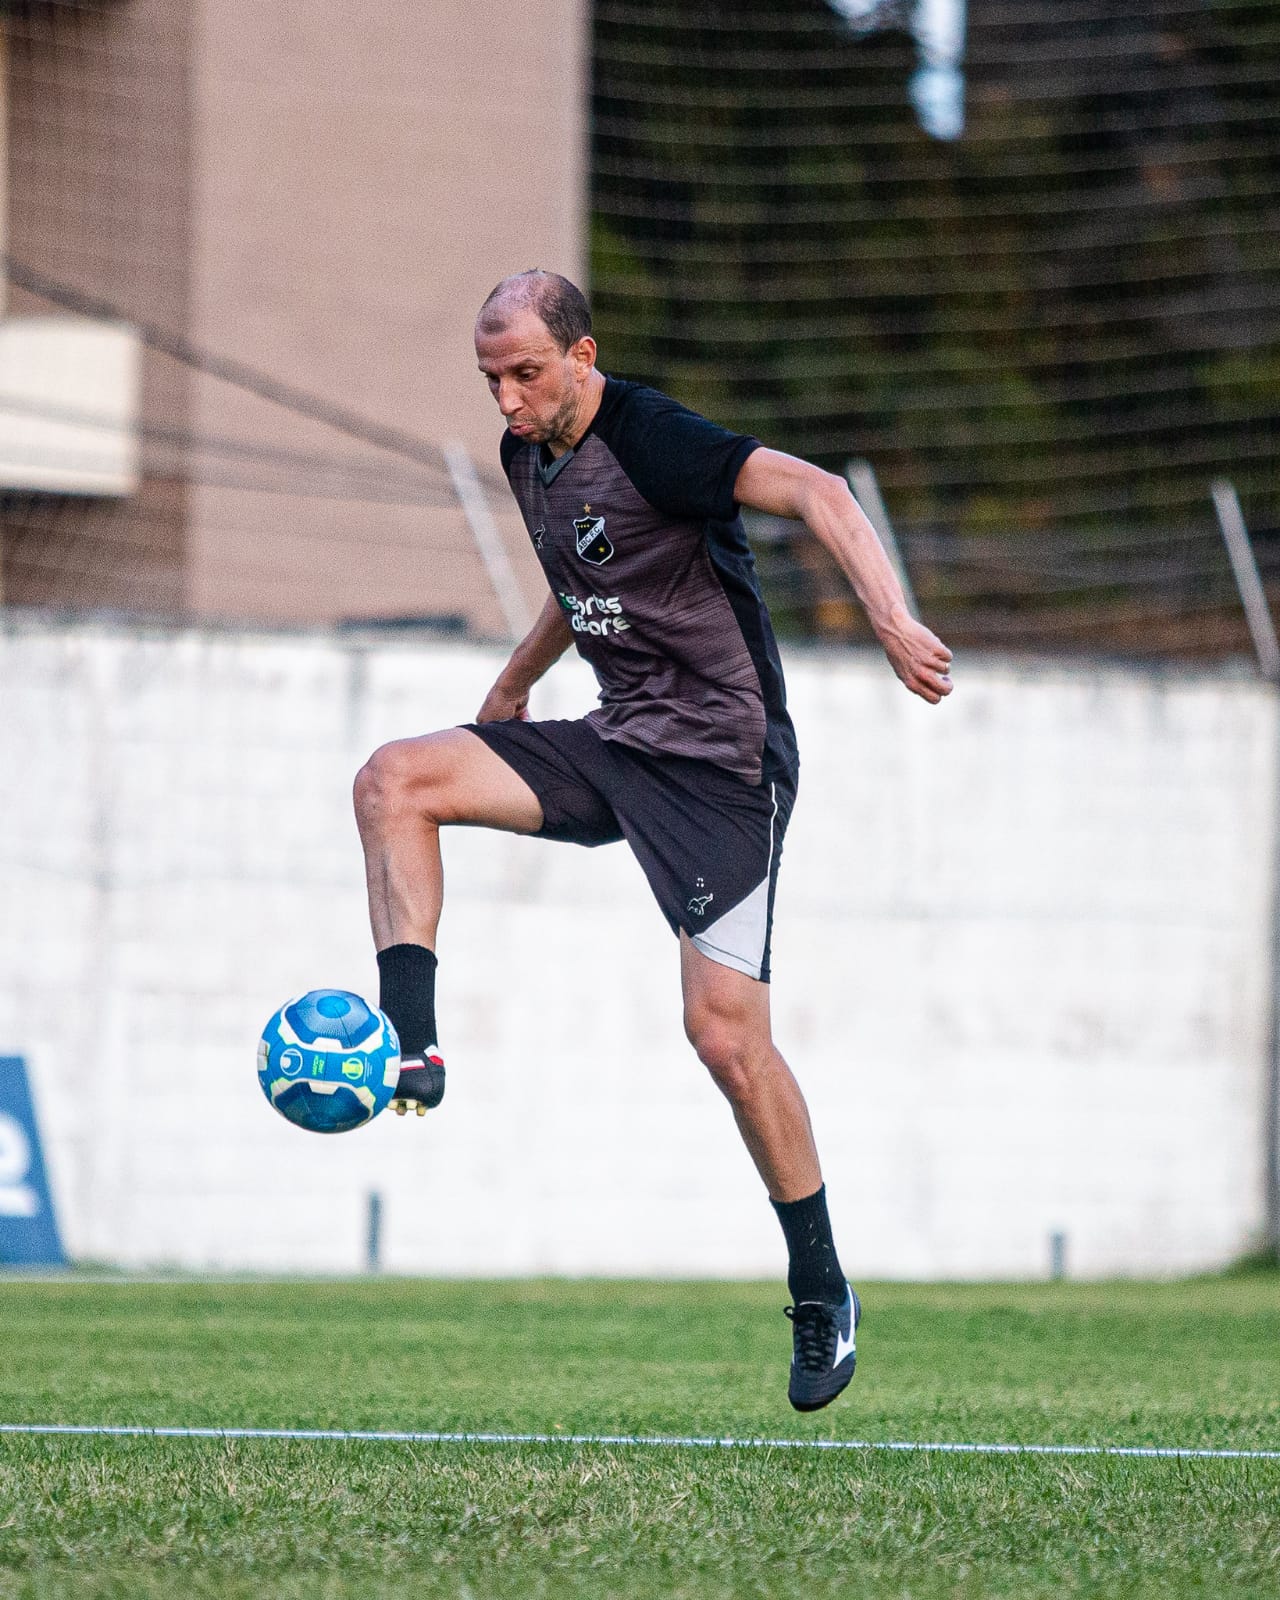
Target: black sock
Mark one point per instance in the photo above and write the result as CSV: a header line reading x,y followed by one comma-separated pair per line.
x,y
407,993
815,1272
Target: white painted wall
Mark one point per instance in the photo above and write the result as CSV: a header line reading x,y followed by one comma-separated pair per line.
x,y
1020,965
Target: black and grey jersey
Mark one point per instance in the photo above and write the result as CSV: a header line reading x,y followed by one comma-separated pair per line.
x,y
640,538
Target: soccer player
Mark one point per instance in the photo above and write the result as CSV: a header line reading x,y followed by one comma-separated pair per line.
x,y
631,503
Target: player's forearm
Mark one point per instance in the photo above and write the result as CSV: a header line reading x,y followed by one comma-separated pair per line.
x,y
785,486
538,651
836,519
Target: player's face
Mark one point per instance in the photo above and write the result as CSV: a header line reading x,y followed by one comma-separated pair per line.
x,y
539,387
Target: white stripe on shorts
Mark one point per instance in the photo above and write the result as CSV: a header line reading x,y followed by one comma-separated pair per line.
x,y
738,938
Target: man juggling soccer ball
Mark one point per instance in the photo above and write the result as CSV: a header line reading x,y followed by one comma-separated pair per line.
x,y
631,502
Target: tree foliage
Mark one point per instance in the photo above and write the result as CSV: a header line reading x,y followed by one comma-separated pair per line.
x,y
1048,335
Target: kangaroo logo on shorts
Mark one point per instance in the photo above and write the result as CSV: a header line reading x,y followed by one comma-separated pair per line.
x,y
594,544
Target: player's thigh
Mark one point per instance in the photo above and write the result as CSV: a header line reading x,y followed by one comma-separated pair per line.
x,y
721,1002
450,777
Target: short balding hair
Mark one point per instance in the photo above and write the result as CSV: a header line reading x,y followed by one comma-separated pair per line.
x,y
561,305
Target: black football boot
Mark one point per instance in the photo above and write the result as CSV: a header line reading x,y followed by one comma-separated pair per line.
x,y
421,1082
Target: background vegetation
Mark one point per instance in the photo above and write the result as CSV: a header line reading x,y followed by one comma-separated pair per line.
x,y
1048,335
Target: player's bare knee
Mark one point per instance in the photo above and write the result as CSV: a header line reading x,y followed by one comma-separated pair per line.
x,y
370,791
364,795
727,1055
384,785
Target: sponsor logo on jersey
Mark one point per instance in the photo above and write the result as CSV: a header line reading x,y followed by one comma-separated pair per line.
x,y
593,542
538,535
596,614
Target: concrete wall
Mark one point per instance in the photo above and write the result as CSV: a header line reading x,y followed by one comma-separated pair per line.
x,y
1021,968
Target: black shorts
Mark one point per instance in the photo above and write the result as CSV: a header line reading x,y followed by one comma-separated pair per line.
x,y
708,842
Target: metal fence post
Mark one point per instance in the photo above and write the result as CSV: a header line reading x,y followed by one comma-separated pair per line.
x,y
866,491
484,530
1235,534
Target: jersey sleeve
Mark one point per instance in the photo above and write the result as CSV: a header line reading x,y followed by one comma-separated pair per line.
x,y
683,465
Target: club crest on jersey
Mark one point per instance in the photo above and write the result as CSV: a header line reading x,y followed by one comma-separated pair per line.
x,y
538,535
594,544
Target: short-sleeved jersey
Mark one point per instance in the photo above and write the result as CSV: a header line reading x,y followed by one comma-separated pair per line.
x,y
640,538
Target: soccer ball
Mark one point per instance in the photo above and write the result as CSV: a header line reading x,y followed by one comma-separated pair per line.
x,y
328,1061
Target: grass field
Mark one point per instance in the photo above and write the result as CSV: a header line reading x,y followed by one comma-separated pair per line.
x,y
1192,1364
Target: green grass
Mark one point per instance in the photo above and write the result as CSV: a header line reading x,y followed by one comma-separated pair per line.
x,y
1191,1364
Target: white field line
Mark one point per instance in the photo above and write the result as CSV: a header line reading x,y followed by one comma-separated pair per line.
x,y
651,1441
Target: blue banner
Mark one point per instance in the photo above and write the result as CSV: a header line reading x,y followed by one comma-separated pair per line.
x,y
28,1228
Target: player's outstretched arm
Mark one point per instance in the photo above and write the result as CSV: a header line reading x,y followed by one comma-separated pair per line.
x,y
540,649
785,486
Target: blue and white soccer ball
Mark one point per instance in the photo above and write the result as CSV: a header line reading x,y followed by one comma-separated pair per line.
x,y
329,1061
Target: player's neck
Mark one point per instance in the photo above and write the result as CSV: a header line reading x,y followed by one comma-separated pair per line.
x,y
584,415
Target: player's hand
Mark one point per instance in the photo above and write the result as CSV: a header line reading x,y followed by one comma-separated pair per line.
x,y
504,705
918,656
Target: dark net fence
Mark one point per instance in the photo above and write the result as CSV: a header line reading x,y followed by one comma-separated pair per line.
x,y
1049,336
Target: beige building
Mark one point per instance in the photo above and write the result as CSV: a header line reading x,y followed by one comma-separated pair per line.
x,y
304,202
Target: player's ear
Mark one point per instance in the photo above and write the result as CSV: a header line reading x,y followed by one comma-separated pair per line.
x,y
583,355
